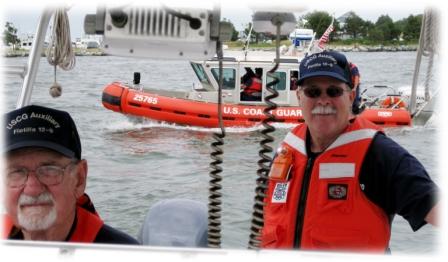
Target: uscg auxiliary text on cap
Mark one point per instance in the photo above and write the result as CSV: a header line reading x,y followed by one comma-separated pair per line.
x,y
25,116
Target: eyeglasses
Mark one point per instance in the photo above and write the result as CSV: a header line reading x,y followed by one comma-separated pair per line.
x,y
315,92
49,175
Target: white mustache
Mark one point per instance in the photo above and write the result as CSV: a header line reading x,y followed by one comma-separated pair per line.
x,y
323,110
44,198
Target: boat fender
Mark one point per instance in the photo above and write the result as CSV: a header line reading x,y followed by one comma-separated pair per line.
x,y
112,95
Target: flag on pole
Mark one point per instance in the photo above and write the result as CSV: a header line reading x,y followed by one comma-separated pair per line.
x,y
326,36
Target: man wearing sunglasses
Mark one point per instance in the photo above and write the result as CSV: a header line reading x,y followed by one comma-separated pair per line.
x,y
337,181
44,181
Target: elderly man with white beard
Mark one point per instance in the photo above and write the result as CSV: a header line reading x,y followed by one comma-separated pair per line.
x,y
45,179
337,180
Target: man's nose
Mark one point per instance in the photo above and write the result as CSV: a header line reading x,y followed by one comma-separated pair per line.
x,y
324,99
33,186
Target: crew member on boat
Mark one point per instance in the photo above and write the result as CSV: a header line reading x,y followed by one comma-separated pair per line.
x,y
45,180
356,83
337,180
252,85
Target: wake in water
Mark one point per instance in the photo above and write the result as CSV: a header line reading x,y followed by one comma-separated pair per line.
x,y
134,123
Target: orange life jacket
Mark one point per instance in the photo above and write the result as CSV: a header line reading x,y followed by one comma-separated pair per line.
x,y
337,214
87,227
7,226
88,224
254,87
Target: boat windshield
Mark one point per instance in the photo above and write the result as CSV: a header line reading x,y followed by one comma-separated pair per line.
x,y
202,76
229,77
280,85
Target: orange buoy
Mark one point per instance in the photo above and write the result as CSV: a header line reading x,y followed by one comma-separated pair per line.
x,y
393,102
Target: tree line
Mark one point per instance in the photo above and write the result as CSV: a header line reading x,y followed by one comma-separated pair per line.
x,y
353,29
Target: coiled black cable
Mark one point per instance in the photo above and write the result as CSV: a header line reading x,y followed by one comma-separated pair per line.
x,y
265,160
214,205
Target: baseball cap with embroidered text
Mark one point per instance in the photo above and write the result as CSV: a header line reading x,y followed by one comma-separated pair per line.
x,y
38,126
326,63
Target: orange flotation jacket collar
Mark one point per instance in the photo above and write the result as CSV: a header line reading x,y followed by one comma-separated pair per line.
x,y
88,222
321,205
254,87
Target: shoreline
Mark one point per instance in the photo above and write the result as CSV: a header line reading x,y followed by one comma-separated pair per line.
x,y
347,48
340,48
78,52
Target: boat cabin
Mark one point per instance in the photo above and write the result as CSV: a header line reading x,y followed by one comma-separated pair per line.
x,y
240,75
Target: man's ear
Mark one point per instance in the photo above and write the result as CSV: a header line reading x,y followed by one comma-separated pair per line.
x,y
81,174
352,95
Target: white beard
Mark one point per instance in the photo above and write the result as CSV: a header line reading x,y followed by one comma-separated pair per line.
x,y
36,218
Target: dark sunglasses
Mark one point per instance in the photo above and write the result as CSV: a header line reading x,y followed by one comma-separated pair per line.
x,y
315,92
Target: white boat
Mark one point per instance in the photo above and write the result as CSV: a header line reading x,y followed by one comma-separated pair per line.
x,y
301,38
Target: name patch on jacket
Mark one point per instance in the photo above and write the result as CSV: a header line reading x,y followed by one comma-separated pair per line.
x,y
337,191
336,170
280,193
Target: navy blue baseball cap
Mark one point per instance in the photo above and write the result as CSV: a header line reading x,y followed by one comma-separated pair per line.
x,y
326,63
38,126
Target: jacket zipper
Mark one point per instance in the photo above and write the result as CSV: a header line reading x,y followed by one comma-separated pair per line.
x,y
302,202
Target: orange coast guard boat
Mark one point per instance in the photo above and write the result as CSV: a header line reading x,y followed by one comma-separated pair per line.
x,y
198,107
184,111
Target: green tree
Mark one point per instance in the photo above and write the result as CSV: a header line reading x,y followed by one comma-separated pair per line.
x,y
367,27
387,26
10,35
376,34
234,32
319,22
411,29
401,24
354,25
254,36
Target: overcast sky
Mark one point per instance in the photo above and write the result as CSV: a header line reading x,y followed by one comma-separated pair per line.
x,y
25,14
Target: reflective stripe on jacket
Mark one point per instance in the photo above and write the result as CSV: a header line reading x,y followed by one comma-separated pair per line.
x,y
332,213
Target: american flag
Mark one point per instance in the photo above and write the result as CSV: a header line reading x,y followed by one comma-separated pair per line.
x,y
326,36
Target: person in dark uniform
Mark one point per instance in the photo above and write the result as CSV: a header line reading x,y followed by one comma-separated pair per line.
x,y
337,180
357,108
45,179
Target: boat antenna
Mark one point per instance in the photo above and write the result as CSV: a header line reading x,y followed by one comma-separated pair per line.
x,y
246,47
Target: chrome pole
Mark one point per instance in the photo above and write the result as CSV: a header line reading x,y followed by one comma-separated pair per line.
x,y
34,58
